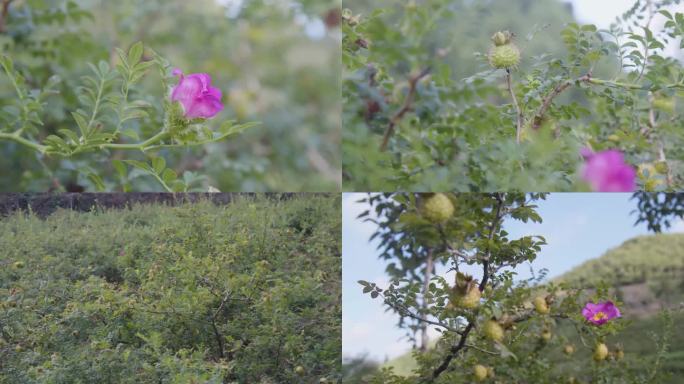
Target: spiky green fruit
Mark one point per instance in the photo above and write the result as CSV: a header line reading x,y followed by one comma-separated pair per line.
x,y
480,372
438,208
299,370
19,264
600,352
493,330
504,56
569,349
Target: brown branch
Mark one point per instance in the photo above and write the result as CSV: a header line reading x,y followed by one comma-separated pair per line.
x,y
519,114
453,352
3,14
546,103
406,107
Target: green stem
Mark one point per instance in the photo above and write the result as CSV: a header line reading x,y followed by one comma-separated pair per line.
x,y
33,145
618,84
97,102
141,146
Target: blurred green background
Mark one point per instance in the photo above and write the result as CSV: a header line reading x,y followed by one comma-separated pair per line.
x,y
277,62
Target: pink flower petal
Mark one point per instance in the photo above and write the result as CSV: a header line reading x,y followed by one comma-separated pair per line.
x,y
195,93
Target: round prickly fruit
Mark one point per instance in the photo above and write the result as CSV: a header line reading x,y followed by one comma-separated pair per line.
x,y
546,335
619,354
438,208
541,306
600,352
493,330
504,56
480,372
323,380
569,349
299,370
19,264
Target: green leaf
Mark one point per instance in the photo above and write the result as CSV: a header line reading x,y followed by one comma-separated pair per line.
x,y
140,165
97,180
71,135
169,176
228,129
82,124
159,164
120,168
135,53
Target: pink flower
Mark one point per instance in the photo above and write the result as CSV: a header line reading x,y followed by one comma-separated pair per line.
x,y
607,171
599,314
195,93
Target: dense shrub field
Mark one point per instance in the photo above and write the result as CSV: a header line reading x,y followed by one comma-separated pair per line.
x,y
242,293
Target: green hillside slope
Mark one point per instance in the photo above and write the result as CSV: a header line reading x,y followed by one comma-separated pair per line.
x,y
634,261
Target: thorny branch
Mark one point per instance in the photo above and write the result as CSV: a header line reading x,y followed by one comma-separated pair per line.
x,y
519,113
406,107
546,103
493,228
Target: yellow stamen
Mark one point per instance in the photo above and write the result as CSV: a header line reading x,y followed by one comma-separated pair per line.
x,y
599,315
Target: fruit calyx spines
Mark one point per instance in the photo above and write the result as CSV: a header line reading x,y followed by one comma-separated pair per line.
x,y
504,54
466,293
502,38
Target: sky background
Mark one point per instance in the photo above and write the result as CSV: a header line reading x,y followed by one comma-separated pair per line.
x,y
577,227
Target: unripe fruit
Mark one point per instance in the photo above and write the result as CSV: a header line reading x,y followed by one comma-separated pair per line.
x,y
493,330
614,138
619,354
466,293
323,380
299,370
19,264
18,348
541,306
480,372
546,335
600,352
504,56
569,349
438,208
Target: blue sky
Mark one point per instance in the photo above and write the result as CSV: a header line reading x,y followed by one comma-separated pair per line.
x,y
577,227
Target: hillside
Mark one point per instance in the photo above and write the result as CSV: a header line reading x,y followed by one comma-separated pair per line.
x,y
634,261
